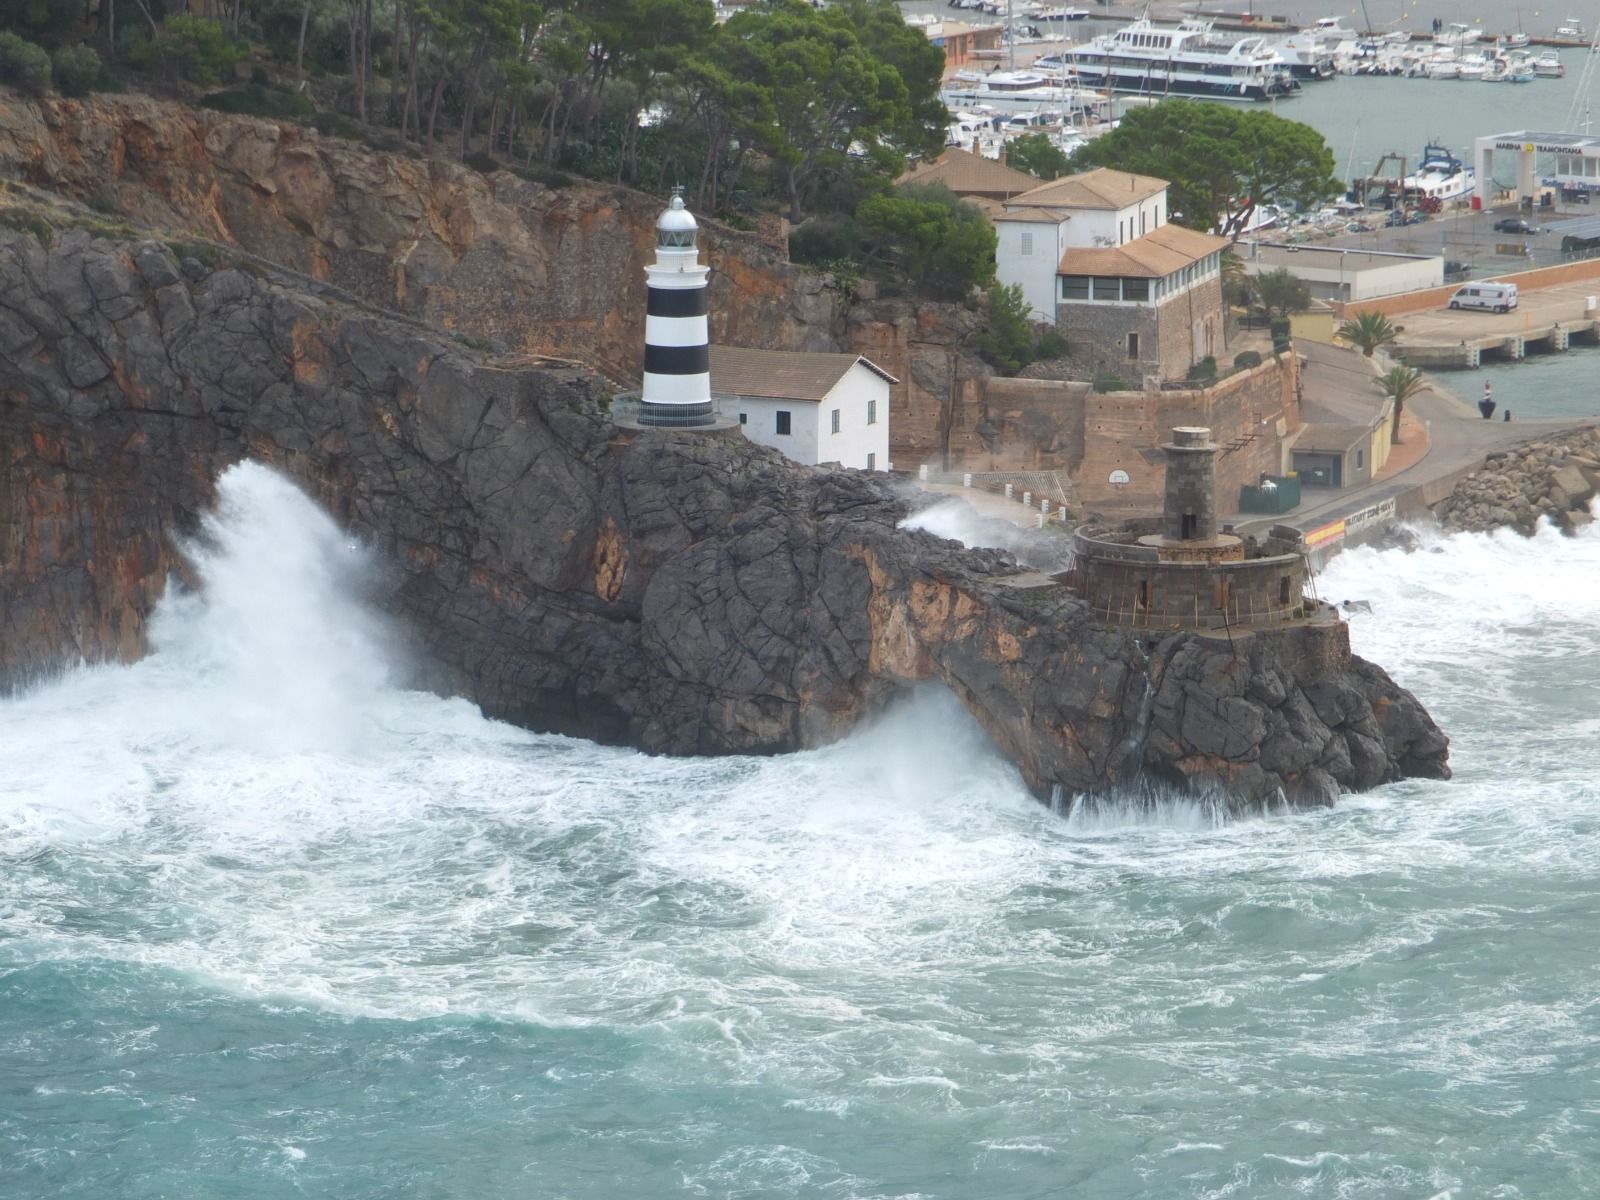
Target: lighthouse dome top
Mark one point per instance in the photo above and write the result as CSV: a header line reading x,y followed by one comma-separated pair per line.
x,y
676,227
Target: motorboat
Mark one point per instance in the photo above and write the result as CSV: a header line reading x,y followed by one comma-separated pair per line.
x,y
1572,29
1024,91
1548,65
1473,66
1440,176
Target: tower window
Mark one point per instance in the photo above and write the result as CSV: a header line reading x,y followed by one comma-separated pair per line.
x,y
1283,590
1191,526
782,422
835,421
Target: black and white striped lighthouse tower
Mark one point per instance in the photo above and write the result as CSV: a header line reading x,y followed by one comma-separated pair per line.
x,y
677,342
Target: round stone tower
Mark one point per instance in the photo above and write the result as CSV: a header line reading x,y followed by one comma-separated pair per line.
x,y
677,341
1189,509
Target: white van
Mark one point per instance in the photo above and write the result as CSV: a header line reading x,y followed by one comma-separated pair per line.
x,y
1499,297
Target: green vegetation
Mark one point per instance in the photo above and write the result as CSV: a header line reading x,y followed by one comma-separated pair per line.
x,y
1400,384
1107,381
23,65
77,70
1223,161
1203,372
1246,360
1280,292
1036,154
1368,331
942,245
1006,341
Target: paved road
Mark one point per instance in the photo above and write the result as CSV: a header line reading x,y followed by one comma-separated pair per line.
x,y
1536,310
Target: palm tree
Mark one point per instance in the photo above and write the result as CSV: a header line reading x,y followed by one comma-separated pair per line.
x,y
1369,330
1400,384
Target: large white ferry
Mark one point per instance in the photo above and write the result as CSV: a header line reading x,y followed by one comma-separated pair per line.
x,y
1184,60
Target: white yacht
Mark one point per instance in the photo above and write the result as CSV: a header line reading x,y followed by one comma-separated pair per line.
x,y
1441,176
1548,65
1572,29
1306,55
1184,60
1025,91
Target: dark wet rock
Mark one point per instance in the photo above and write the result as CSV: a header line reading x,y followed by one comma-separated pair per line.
x,y
683,593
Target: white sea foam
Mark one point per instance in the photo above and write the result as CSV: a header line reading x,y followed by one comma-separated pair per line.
x,y
890,925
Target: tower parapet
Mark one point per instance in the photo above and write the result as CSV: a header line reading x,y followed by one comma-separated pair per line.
x,y
1179,571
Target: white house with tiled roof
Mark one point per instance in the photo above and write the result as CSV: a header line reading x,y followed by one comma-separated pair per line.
x,y
816,408
1094,253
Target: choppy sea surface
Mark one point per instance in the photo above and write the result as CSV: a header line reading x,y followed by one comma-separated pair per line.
x,y
272,925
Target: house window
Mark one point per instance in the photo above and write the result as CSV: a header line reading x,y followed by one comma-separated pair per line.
x,y
1107,289
872,462
1136,289
1027,243
1074,287
834,422
1360,455
783,422
744,418
1133,345
872,412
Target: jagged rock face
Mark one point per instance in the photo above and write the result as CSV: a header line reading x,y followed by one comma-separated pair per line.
x,y
1554,479
547,272
685,593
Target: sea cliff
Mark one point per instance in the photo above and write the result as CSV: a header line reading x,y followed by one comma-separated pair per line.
x,y
683,593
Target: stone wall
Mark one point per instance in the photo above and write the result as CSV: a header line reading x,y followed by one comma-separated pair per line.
x,y
1249,415
1098,333
1051,425
1171,595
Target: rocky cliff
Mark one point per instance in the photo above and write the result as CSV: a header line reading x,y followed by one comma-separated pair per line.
x,y
685,593
550,272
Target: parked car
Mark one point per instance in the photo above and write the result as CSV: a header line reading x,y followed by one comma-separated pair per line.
x,y
1514,225
1494,297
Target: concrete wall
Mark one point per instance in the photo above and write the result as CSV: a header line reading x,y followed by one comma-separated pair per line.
x,y
1389,306
1323,273
759,417
812,439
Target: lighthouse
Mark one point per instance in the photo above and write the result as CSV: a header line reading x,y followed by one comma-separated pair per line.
x,y
677,342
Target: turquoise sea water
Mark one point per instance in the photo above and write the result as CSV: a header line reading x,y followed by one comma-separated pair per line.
x,y
272,926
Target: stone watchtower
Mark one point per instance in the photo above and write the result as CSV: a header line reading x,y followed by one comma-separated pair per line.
x,y
1189,511
1178,571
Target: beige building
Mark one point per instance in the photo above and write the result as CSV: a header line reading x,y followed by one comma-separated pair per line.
x,y
1095,254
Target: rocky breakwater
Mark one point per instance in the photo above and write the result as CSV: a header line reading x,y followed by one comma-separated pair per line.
x,y
1555,478
684,593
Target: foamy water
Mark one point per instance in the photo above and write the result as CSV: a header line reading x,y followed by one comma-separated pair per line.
x,y
271,925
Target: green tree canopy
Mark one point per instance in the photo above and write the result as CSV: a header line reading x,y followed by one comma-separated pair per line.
x,y
1368,330
1223,162
1281,292
830,91
1036,154
943,245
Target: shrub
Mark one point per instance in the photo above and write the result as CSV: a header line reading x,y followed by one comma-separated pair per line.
x,y
1051,344
1106,381
252,100
1246,359
189,48
1204,371
1006,342
46,20
77,69
825,239
104,201
24,65
1280,329
485,164
541,174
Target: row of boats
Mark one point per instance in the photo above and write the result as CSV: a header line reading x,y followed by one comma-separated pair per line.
x,y
1193,59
